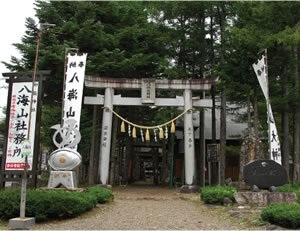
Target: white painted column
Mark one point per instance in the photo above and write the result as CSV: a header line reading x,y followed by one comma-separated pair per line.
x,y
189,146
106,137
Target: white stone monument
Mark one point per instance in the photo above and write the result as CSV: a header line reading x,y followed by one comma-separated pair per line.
x,y
64,160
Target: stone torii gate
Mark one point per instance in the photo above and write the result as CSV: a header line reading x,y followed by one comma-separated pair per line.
x,y
147,87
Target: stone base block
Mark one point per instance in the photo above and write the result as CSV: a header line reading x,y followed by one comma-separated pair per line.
x,y
62,178
190,189
263,198
21,223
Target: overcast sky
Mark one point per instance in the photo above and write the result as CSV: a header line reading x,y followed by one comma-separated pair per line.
x,y
12,26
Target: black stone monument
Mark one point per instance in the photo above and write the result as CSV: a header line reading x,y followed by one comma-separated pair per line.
x,y
264,174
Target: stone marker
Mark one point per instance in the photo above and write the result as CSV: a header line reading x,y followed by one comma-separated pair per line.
x,y
264,174
21,223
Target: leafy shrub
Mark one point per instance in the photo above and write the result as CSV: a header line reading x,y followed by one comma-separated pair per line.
x,y
283,214
52,204
292,187
58,204
216,194
103,195
9,203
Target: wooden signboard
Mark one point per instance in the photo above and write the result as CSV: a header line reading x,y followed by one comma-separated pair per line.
x,y
213,152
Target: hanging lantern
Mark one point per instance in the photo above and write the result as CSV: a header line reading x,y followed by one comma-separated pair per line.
x,y
172,127
122,126
147,135
161,133
133,132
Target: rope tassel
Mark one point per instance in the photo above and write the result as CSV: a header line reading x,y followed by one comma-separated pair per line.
x,y
134,132
147,135
172,127
161,133
123,126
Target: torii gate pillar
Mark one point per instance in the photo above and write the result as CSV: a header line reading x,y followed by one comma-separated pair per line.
x,y
189,146
106,136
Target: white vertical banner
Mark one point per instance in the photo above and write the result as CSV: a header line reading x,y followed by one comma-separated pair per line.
x,y
275,152
73,89
18,125
260,69
261,73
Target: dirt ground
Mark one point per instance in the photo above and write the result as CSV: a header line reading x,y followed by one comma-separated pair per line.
x,y
157,208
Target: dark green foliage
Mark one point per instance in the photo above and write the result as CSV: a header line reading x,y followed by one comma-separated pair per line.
x,y
292,187
52,204
216,194
51,115
286,215
102,194
9,203
58,204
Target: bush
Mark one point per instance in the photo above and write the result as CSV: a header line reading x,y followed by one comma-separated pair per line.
x,y
58,204
283,214
9,203
52,204
102,195
216,194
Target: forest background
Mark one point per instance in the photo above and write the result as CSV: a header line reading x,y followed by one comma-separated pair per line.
x,y
173,40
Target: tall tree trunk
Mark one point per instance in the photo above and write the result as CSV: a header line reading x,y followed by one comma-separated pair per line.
x,y
222,136
257,153
249,114
214,168
201,158
296,172
91,170
213,115
255,125
222,22
255,111
285,128
97,143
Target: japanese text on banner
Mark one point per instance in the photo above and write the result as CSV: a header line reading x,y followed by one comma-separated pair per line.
x,y
74,88
18,125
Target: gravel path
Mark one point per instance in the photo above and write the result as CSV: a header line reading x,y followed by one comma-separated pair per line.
x,y
152,208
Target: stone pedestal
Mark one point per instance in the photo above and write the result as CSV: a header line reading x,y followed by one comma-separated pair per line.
x,y
62,178
190,189
21,223
263,198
